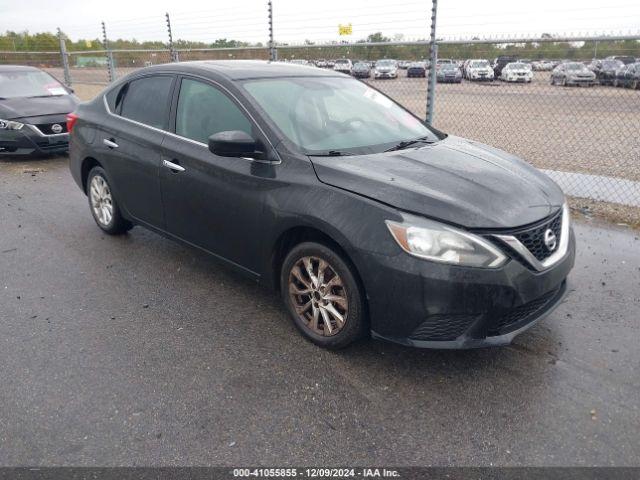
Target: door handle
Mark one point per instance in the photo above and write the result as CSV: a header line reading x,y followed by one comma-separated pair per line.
x,y
109,143
172,166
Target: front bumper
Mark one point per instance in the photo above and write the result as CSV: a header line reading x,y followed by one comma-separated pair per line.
x,y
30,140
449,79
429,305
385,74
581,81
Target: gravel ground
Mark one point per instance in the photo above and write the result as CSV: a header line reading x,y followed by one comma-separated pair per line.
x,y
138,351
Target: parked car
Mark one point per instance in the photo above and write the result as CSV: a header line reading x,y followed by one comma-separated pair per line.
x,y
516,72
386,69
416,69
403,64
444,61
321,63
361,70
543,65
605,70
330,64
479,70
573,73
365,219
300,61
448,73
626,59
33,109
500,62
628,76
343,65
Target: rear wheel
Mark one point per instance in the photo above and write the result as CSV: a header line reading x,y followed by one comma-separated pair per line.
x,y
320,291
635,85
103,205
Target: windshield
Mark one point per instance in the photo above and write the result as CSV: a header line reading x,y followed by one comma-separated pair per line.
x,y
480,64
518,66
361,65
325,116
575,66
448,66
341,61
29,83
386,63
612,64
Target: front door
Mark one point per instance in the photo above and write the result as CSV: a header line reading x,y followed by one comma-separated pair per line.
x,y
211,201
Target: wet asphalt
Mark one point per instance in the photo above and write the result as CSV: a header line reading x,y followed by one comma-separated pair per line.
x,y
138,351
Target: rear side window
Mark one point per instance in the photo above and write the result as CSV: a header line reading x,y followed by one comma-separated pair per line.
x,y
204,110
146,100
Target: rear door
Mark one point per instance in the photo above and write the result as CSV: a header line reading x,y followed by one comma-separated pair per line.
x,y
130,144
211,201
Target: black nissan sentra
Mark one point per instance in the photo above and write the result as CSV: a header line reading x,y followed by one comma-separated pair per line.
x,y
33,110
364,218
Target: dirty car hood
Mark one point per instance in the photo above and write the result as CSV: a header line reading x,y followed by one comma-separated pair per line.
x,y
455,180
16,108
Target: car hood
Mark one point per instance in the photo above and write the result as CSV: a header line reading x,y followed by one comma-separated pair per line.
x,y
455,180
16,108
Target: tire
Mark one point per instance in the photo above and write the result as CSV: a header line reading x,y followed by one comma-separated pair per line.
x,y
102,204
306,309
553,80
616,83
564,82
635,85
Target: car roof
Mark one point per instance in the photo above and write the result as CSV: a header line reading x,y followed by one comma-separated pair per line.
x,y
17,68
244,69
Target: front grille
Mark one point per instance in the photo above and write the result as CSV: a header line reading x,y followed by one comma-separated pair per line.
x,y
533,238
46,128
522,312
443,327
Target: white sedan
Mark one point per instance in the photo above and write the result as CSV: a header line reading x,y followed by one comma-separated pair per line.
x,y
517,72
479,70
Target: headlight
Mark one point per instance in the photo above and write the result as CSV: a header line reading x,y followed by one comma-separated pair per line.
x,y
10,125
441,243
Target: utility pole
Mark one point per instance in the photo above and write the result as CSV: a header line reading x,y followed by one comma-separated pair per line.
x,y
110,67
65,58
172,52
433,57
273,54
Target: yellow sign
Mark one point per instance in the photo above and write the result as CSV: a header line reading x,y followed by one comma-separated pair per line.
x,y
345,29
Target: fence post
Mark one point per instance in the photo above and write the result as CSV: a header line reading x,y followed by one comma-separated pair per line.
x,y
172,52
110,67
65,58
433,57
273,54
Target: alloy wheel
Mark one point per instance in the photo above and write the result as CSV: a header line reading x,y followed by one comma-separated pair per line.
x,y
319,296
101,200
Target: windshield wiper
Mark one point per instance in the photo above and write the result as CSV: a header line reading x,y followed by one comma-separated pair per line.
x,y
46,96
330,153
407,143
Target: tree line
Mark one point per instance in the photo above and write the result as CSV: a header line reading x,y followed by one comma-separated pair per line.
x,y
46,41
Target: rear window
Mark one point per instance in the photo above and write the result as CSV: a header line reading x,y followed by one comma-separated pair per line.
x,y
146,100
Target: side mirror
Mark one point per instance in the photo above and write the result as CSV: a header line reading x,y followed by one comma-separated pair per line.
x,y
234,143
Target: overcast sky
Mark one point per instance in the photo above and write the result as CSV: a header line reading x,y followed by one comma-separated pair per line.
x,y
297,20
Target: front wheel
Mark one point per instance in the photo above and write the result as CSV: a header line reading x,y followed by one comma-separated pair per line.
x,y
103,205
322,295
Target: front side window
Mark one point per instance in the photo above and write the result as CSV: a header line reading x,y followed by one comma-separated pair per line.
x,y
29,84
146,100
324,114
204,110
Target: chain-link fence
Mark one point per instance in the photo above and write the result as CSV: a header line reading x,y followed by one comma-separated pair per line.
x,y
570,106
